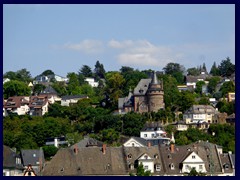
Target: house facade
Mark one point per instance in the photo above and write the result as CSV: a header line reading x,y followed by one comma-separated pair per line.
x,y
17,105
71,99
200,113
91,82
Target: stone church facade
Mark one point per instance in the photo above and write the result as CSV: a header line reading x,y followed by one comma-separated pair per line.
x,y
146,97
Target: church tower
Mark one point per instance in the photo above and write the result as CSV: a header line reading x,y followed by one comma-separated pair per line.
x,y
155,95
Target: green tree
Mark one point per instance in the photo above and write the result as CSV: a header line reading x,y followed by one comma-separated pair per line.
x,y
172,68
10,75
226,68
199,86
15,88
73,87
47,72
115,82
141,171
23,75
60,88
215,70
109,135
193,71
227,87
49,151
38,88
204,101
99,70
213,84
185,100
86,71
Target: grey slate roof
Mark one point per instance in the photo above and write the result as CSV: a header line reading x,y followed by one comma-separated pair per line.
x,y
200,109
87,141
32,156
9,158
142,87
87,161
74,97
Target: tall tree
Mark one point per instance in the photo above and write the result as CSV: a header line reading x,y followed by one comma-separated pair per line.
x,y
226,68
212,84
215,70
73,87
176,70
227,87
171,68
86,71
10,75
24,75
99,70
204,67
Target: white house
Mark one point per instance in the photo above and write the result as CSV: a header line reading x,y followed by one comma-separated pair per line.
x,y
147,162
72,99
135,142
91,82
5,80
17,105
200,113
150,133
193,161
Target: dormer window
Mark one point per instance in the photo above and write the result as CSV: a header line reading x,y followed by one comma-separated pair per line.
x,y
226,166
169,156
171,166
156,156
158,167
129,156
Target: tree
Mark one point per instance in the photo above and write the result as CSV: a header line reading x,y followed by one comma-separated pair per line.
x,y
171,68
226,68
38,88
204,101
86,71
204,67
10,75
73,87
199,86
185,100
15,88
23,75
49,151
99,70
193,71
47,72
141,171
227,87
109,135
115,82
215,70
213,84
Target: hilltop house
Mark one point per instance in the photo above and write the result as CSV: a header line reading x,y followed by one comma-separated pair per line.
x,y
71,99
200,113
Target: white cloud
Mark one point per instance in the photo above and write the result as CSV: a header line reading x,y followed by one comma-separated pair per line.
x,y
143,53
87,46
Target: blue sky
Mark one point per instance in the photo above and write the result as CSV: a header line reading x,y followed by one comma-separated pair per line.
x,y
63,38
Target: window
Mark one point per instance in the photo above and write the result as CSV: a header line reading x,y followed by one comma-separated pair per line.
x,y
193,157
130,156
146,157
146,167
156,156
158,167
145,135
187,167
133,144
200,167
169,156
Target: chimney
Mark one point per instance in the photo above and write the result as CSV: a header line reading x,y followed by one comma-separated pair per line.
x,y
149,144
172,147
104,148
75,149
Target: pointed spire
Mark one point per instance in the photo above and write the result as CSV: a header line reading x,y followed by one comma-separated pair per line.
x,y
154,78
